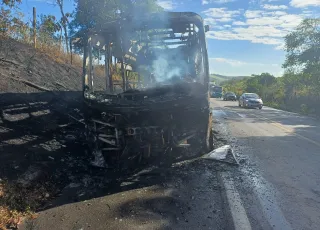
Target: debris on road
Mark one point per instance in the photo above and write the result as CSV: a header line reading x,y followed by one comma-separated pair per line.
x,y
70,138
222,154
98,159
32,174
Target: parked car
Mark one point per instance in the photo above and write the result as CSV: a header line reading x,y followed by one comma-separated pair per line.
x,y
229,96
250,100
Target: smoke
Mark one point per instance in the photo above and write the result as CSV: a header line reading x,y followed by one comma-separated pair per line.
x,y
165,64
170,64
157,61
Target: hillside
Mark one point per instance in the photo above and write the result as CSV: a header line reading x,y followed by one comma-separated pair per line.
x,y
22,63
218,78
40,92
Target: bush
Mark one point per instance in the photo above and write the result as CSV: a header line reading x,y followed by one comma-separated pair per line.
x,y
273,104
304,109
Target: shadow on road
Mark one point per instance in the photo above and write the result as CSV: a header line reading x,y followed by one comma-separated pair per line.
x,y
283,171
43,170
34,153
237,106
286,121
282,148
31,126
161,198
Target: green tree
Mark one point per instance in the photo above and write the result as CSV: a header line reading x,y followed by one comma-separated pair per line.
x,y
253,85
303,54
303,46
47,28
267,79
10,3
95,13
12,25
5,21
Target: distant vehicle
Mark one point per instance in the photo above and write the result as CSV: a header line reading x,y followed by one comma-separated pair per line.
x,y
216,91
229,96
250,100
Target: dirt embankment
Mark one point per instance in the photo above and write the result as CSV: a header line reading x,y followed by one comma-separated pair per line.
x,y
37,92
21,63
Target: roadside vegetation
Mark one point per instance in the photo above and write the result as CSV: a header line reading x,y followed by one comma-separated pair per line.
x,y
50,37
298,89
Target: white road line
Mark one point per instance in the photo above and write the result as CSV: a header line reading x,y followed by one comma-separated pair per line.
x,y
268,202
241,115
238,212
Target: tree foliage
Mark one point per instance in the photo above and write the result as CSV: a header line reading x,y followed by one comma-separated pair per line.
x,y
303,46
12,25
10,3
303,55
47,28
95,13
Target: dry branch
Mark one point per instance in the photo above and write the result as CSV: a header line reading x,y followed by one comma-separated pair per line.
x,y
60,84
28,83
8,61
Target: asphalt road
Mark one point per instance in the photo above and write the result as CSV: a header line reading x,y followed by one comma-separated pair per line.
x,y
276,185
279,177
183,195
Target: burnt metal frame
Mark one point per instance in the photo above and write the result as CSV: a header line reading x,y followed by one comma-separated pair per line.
x,y
104,43
107,131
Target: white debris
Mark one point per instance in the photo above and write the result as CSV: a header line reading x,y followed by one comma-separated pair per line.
x,y
98,159
219,153
70,137
224,153
29,176
73,185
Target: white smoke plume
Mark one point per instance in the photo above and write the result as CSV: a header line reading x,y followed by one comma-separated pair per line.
x,y
169,64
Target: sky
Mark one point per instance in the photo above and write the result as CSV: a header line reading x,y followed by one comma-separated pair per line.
x,y
246,36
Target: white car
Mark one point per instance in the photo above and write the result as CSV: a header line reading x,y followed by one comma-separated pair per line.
x,y
250,100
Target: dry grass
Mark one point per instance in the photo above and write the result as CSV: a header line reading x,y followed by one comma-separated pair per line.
x,y
52,50
45,66
58,55
18,203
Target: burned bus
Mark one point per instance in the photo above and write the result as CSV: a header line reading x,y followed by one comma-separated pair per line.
x,y
146,87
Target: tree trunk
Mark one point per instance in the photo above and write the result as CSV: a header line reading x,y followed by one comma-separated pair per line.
x,y
60,40
66,37
64,23
34,24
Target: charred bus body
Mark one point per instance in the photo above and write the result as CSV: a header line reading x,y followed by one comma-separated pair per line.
x,y
152,94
